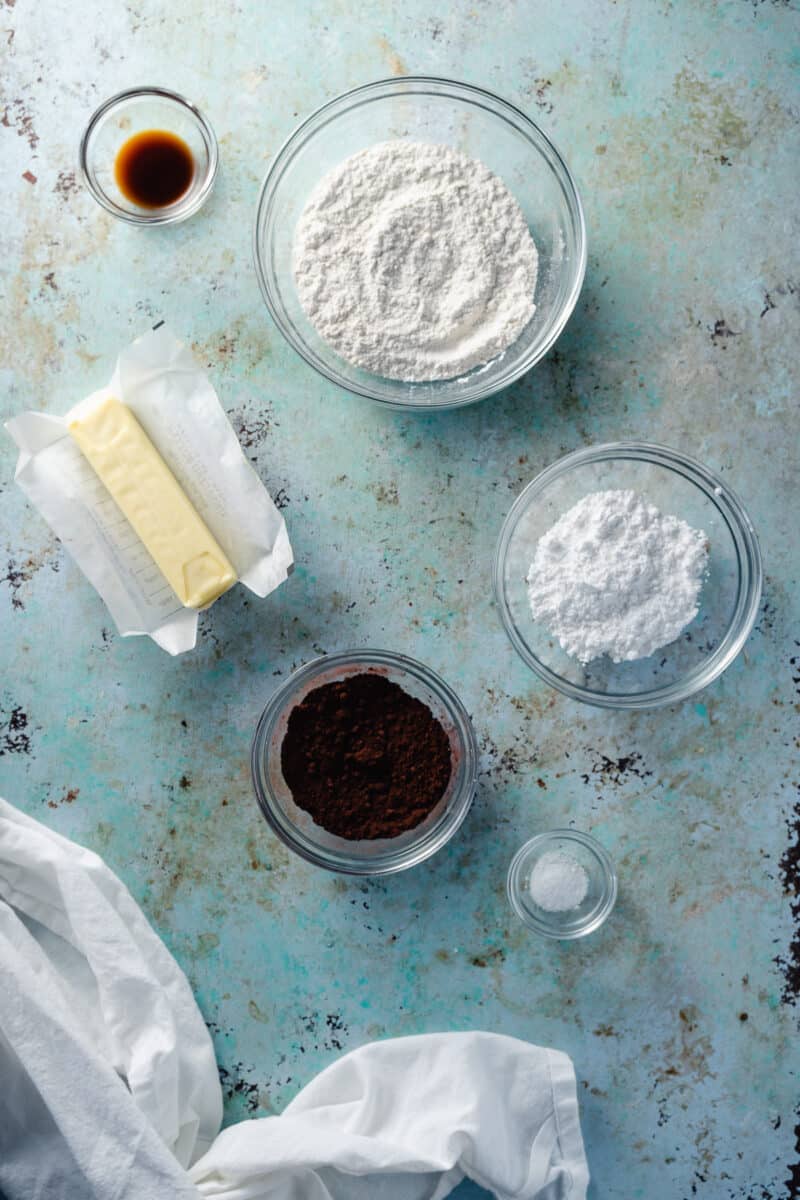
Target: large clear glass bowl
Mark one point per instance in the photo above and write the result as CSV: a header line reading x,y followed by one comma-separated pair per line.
x,y
729,603
295,827
475,122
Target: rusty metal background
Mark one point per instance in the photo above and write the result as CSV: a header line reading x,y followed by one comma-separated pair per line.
x,y
680,122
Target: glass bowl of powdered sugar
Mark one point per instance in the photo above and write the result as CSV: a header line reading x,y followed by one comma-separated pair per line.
x,y
562,884
628,575
420,242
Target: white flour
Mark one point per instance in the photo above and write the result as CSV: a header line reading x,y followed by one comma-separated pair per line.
x,y
415,262
615,576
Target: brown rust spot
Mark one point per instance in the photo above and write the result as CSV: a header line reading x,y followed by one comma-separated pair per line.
x,y
540,91
789,868
206,944
251,431
488,958
14,735
16,116
385,493
717,896
252,854
244,343
713,122
66,185
17,574
617,770
257,1013
395,62
722,332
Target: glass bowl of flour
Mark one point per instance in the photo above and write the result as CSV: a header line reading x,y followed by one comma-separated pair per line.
x,y
628,576
420,242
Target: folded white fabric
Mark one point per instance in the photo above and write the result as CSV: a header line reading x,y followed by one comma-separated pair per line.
x,y
500,1111
109,1089
115,1083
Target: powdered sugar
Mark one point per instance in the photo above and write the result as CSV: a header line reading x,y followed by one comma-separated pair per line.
x,y
616,576
415,262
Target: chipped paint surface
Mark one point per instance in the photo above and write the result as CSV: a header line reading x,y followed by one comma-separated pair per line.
x,y
680,122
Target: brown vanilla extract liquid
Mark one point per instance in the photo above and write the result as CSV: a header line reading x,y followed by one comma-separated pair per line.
x,y
154,168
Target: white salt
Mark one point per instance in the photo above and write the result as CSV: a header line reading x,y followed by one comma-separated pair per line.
x,y
558,882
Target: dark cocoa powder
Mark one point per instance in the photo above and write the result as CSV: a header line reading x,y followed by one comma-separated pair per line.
x,y
364,758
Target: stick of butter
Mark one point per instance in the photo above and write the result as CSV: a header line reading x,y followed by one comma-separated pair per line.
x,y
141,483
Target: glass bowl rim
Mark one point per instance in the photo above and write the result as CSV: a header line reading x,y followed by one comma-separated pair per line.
x,y
606,866
413,853
742,532
345,101
172,213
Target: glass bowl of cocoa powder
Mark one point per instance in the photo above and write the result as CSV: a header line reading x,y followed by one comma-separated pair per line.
x,y
364,762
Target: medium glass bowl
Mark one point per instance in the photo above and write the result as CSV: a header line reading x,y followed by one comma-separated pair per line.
x,y
417,108
295,827
596,905
133,112
731,592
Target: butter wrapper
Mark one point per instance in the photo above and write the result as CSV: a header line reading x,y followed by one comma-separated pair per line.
x,y
174,401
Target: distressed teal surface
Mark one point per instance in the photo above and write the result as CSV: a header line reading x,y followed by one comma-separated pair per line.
x,y
680,122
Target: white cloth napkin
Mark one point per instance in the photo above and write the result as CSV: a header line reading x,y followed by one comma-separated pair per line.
x,y
109,1088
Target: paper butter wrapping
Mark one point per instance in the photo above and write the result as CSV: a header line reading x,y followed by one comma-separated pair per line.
x,y
158,379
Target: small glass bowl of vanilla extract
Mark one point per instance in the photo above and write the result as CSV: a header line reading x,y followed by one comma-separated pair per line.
x,y
149,156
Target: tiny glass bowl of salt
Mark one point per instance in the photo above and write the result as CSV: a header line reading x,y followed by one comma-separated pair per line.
x,y
562,884
628,576
420,241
